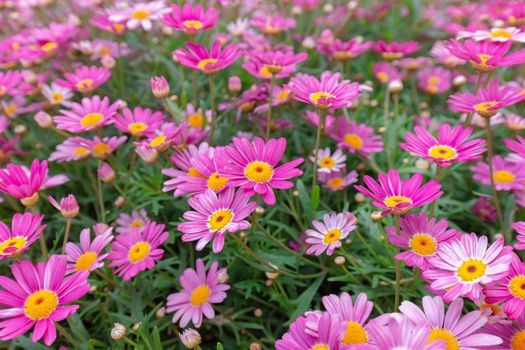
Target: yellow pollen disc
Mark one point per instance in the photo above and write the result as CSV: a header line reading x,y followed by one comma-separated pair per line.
x,y
157,141
432,89
484,58
205,62
139,251
383,77
484,106
10,110
518,341
85,261
336,182
501,33
472,269
265,72
390,56
332,236
517,286
200,295
40,304
91,119
268,29
193,24
220,219
196,120
136,224
394,201
101,150
283,95
450,339
140,14
327,162
423,244
3,90
258,172
316,96
355,334
320,347
84,85
434,80
80,152
137,128
353,140
57,97
442,152
31,200
105,51
15,46
119,27
503,177
194,173
216,182
50,46
12,245
495,310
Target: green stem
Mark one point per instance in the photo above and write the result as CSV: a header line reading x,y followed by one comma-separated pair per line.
x,y
270,102
320,126
100,197
490,154
195,90
41,237
386,108
212,106
398,269
66,235
476,88
438,179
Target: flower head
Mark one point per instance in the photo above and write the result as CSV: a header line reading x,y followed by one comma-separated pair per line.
x,y
89,255
495,35
138,121
90,114
137,219
329,162
140,14
68,206
280,64
386,72
85,79
272,24
520,230
56,94
197,57
191,20
25,230
338,180
347,50
434,80
507,175
355,138
160,87
329,233
395,50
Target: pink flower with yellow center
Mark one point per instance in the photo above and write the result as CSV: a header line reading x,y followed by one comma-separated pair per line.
x,y
137,219
200,290
196,117
191,20
139,121
85,79
329,162
355,138
139,14
164,137
9,82
197,57
272,24
395,50
90,114
280,64
329,233
512,334
337,180
71,149
25,230
347,50
495,35
386,72
89,255
507,175
520,237
434,80
516,146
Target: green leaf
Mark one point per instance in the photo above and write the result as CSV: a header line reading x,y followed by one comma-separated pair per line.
x,y
304,300
219,346
157,344
314,201
304,199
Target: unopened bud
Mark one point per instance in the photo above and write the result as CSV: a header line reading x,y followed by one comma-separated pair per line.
x,y
43,119
161,312
20,129
308,43
255,346
257,313
190,338
395,86
339,260
136,326
272,275
359,197
297,11
160,87
259,210
68,206
422,164
376,216
459,81
223,277
108,62
147,154
234,84
105,173
120,202
328,8
118,331
100,228
295,193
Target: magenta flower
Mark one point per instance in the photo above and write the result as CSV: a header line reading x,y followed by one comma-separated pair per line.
x,y
252,167
191,20
347,50
25,230
163,137
197,57
329,233
395,50
386,72
516,146
37,297
434,80
461,266
271,24
199,291
484,210
85,79
136,220
90,114
159,87
137,250
68,206
422,236
398,196
215,215
139,14
507,175
9,82
279,63
138,121
355,138
520,230
512,334
337,180
71,149
327,93
88,256
487,101
457,331
450,147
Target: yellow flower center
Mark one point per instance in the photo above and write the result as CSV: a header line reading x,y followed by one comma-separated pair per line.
x,y
205,62
101,150
136,224
157,141
383,77
137,128
391,56
105,51
3,90
31,200
484,106
80,152
442,152
501,33
450,339
503,177
264,71
220,219
216,182
196,120
269,29
193,24
283,95
91,119
472,269
10,109
39,305
336,183
84,85
119,27
258,172
493,308
320,347
327,162
484,58
200,295
518,341
57,97
140,14
332,236
50,46
85,261
12,245
355,334
517,286
394,201
139,251
194,173
423,244
353,140
323,96
434,80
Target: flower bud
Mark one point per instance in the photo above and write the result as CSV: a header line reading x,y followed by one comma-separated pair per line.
x,y
257,313
118,331
297,11
223,277
339,260
259,210
44,120
68,206
105,173
147,154
108,62
100,228
376,216
272,275
190,338
136,326
160,87
255,346
161,312
295,193
20,129
359,197
234,84
120,202
308,43
422,164
395,86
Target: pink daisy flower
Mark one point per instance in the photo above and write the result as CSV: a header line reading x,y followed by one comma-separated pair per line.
x,y
138,121
338,180
422,236
215,215
279,63
90,114
512,334
451,145
197,57
85,79
449,326
520,230
272,24
9,82
395,50
200,289
484,210
327,93
355,138
128,222
385,72
196,117
516,146
440,51
137,250
515,122
398,196
487,101
461,266
164,137
347,50
329,162
25,230
329,233
251,166
88,256
191,20
71,149
507,175
37,297
140,14
434,80
56,94
495,35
